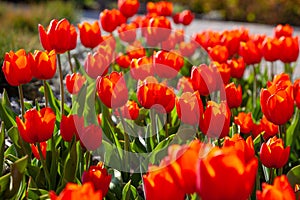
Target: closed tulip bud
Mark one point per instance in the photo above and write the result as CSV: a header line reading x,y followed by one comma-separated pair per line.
x,y
16,68
60,36
273,154
74,82
226,164
189,108
280,190
73,191
96,64
38,125
98,176
233,95
245,122
186,17
216,120
271,49
112,90
128,8
35,150
90,34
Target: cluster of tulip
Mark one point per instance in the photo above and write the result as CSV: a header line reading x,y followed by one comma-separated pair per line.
x,y
135,103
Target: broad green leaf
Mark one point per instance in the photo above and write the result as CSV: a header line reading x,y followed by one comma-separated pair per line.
x,y
126,192
37,193
7,116
70,166
2,145
292,129
4,183
294,176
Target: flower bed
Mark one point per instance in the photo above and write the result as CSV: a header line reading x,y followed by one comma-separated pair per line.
x,y
154,114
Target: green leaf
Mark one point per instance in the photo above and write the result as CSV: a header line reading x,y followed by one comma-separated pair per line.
x,y
17,173
294,176
36,193
4,183
6,113
2,145
292,129
53,101
129,192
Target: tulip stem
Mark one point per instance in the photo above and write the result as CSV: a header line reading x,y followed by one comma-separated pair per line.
x,y
61,85
254,86
153,123
271,176
126,139
282,132
88,159
45,93
272,70
70,62
46,171
21,100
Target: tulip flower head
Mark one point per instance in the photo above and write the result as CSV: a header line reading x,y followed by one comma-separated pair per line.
x,y
90,34
74,82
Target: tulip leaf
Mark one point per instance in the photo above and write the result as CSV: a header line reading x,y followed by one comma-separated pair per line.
x,y
4,183
294,176
13,134
70,166
6,114
292,129
129,192
17,173
2,145
78,101
36,193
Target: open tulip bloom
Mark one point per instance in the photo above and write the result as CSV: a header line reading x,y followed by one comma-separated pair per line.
x,y
151,113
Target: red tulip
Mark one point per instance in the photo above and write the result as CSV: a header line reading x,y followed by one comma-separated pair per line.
x,y
123,60
111,19
74,82
127,32
90,136
233,95
245,122
60,36
16,68
167,64
237,67
96,64
216,120
204,79
296,90
170,43
164,8
273,154
187,49
289,49
38,125
43,64
218,53
185,84
223,70
250,52
268,127
271,49
226,164
74,191
277,102
283,30
141,68
128,8
90,34
35,150
112,90
189,108
231,39
158,30
70,126
280,190
98,176
129,111
136,50
152,94
247,147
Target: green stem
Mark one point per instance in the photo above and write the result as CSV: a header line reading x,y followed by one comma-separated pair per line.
x,y
272,70
53,168
46,171
88,159
70,62
126,138
153,123
254,86
282,132
45,93
62,95
271,176
21,100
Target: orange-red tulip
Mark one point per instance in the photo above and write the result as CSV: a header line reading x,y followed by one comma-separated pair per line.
x,y
247,147
271,49
273,154
296,91
231,39
280,190
158,30
167,64
136,50
127,32
289,49
222,165
216,120
283,30
60,36
189,108
74,191
277,102
35,150
112,90
43,64
250,52
237,67
74,82
185,84
111,19
90,34
70,126
98,176
96,64
90,136
141,68
233,95
128,8
268,127
38,125
244,121
123,60
129,111
223,70
218,53
187,49
16,68
164,8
